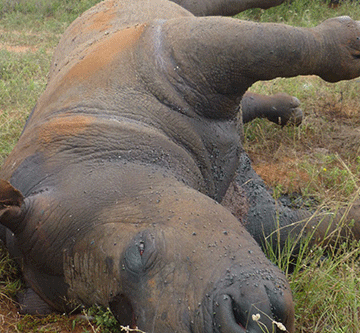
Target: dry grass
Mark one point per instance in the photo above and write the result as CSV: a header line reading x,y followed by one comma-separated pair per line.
x,y
320,158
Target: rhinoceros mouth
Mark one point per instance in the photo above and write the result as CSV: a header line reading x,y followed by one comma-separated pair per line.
x,y
122,310
356,54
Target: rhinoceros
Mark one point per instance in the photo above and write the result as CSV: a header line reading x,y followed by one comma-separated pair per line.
x,y
129,186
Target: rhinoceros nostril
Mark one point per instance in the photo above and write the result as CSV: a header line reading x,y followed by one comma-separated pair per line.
x,y
240,317
228,315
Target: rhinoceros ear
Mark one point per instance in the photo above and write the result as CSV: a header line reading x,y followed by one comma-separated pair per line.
x,y
11,201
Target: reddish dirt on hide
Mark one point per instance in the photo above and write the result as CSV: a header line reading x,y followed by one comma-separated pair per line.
x,y
100,55
64,126
102,20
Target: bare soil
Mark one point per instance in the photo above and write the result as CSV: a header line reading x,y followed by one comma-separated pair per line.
x,y
18,48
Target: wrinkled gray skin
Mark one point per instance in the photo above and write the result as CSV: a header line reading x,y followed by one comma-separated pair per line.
x,y
128,183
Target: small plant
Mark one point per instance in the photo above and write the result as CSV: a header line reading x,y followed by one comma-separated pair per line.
x,y
127,329
104,319
10,282
275,324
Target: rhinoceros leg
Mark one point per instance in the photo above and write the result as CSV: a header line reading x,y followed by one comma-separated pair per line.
x,y
281,108
224,7
269,221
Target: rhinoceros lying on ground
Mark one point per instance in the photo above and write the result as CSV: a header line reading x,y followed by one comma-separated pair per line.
x,y
128,183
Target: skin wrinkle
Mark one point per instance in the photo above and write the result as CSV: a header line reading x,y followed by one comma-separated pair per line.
x,y
42,186
183,81
64,127
157,82
192,84
100,113
66,132
193,144
36,187
39,237
61,232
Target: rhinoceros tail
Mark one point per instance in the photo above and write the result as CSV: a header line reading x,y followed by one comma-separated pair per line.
x,y
11,201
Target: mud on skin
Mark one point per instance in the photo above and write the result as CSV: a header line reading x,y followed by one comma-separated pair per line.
x,y
129,186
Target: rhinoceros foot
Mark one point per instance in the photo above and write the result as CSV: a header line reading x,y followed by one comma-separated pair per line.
x,y
335,228
31,303
285,110
281,108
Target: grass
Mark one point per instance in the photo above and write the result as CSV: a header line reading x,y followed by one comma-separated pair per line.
x,y
337,307
62,10
305,13
319,160
321,157
23,78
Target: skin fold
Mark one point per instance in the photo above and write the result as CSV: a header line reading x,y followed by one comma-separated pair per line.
x,y
129,186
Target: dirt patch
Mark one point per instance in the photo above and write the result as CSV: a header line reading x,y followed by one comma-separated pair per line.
x,y
284,172
329,129
18,48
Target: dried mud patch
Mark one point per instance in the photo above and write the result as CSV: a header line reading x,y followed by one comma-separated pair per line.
x,y
284,172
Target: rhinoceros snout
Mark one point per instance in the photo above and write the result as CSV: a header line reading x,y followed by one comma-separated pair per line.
x,y
231,315
253,305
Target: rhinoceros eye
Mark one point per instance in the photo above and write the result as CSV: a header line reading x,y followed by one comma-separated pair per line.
x,y
142,252
141,247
